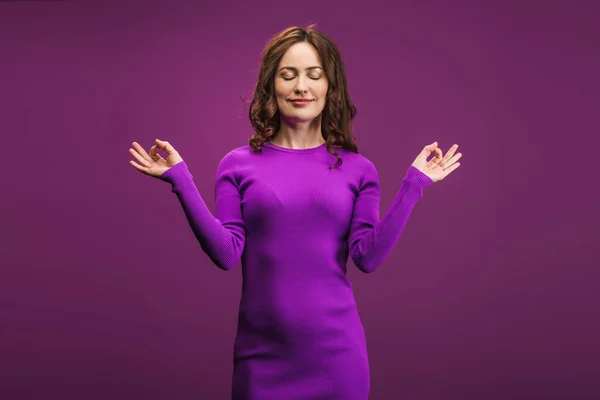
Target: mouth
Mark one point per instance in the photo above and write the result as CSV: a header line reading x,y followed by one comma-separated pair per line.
x,y
300,102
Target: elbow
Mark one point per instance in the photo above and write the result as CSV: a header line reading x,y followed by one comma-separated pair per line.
x,y
225,267
367,269
226,264
365,265
363,256
225,258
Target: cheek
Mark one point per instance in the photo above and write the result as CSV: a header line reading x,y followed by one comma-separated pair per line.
x,y
278,90
280,87
323,91
282,93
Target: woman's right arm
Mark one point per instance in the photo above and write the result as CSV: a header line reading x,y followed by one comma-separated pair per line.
x,y
221,236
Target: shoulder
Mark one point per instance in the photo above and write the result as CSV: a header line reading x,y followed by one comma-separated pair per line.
x,y
358,161
236,154
241,150
362,168
240,153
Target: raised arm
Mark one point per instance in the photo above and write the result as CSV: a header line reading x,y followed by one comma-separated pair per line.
x,y
221,236
371,239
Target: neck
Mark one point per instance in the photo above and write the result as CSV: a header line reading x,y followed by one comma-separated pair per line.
x,y
299,135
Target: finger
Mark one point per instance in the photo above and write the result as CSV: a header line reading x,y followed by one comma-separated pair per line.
x,y
141,151
438,156
451,168
141,159
139,167
450,153
451,161
427,150
436,159
153,153
166,146
431,147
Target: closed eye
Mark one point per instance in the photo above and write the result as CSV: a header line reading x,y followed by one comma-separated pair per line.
x,y
289,79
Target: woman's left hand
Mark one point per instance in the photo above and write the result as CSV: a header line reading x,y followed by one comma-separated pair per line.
x,y
439,166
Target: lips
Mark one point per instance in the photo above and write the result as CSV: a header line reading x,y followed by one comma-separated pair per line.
x,y
301,101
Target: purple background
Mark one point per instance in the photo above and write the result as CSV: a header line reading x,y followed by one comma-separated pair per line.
x,y
492,291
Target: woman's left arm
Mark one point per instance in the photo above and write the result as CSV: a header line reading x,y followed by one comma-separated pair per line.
x,y
371,239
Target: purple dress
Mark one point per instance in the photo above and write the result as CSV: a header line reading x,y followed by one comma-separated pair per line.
x,y
293,222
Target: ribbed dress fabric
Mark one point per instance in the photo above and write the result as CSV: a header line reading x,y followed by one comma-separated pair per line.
x,y
293,223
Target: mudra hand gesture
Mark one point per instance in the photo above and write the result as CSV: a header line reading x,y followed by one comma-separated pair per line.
x,y
438,167
152,163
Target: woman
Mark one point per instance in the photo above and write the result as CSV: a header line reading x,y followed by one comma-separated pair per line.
x,y
293,219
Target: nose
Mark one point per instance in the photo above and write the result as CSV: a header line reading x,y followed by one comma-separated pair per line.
x,y
301,85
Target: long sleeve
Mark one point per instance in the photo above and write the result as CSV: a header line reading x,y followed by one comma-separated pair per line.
x,y
370,239
221,236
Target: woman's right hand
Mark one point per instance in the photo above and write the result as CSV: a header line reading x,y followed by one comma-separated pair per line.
x,y
153,164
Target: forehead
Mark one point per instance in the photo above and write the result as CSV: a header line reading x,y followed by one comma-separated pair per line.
x,y
301,55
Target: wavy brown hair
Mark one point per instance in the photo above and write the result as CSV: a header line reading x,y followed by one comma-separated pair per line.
x,y
336,122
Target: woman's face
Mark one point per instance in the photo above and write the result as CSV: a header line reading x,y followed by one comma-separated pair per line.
x,y
300,75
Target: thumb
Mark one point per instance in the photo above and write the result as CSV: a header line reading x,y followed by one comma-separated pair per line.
x,y
165,146
428,149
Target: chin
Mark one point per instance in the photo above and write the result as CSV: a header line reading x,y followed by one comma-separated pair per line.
x,y
299,117
295,113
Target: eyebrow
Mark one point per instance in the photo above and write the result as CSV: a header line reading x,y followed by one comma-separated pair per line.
x,y
296,69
